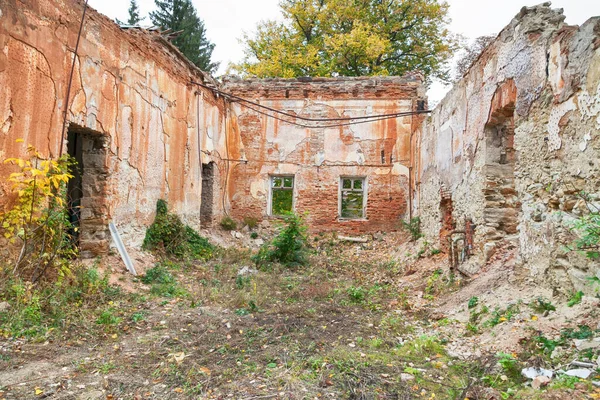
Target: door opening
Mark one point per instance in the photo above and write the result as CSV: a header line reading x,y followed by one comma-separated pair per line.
x,y
86,191
208,197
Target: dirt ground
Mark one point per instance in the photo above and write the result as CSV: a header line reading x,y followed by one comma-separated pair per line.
x,y
378,320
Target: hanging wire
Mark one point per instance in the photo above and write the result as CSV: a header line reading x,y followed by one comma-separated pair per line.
x,y
374,119
62,138
361,119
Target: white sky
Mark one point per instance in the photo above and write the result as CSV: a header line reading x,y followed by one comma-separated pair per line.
x,y
227,20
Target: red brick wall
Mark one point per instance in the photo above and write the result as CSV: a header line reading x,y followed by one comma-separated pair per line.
x,y
319,157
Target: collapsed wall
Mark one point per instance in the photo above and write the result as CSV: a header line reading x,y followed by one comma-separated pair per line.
x,y
136,124
503,158
347,178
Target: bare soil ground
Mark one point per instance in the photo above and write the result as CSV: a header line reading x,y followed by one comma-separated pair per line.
x,y
379,320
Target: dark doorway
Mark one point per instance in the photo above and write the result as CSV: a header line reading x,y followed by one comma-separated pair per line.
x,y
447,223
86,191
74,188
208,196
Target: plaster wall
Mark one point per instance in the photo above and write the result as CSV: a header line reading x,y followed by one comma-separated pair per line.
x,y
129,86
318,156
540,77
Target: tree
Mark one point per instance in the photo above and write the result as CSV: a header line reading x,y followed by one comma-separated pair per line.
x,y
471,53
352,38
134,15
180,15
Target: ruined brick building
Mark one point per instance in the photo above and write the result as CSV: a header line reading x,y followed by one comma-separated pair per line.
x,y
510,145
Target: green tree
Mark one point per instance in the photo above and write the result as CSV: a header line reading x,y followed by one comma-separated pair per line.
x,y
134,13
180,16
352,38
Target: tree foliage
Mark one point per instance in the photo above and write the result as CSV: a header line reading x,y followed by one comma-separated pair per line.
x,y
180,15
36,223
470,54
134,13
352,38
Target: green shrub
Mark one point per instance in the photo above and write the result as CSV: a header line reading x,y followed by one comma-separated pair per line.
x,y
473,301
163,282
510,365
414,228
541,305
157,274
251,222
228,223
575,299
288,247
587,228
356,294
170,234
108,317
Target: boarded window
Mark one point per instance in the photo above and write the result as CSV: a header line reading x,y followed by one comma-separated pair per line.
x,y
352,202
282,194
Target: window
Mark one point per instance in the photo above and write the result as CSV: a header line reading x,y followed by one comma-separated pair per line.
x,y
282,195
352,198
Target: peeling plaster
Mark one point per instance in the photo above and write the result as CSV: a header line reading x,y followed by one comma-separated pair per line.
x,y
590,105
553,128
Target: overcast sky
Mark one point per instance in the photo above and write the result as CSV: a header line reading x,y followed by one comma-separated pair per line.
x,y
227,20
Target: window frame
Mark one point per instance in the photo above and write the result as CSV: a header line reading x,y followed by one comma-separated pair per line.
x,y
270,199
365,192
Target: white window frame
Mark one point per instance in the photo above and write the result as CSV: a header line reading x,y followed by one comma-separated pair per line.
x,y
270,199
365,195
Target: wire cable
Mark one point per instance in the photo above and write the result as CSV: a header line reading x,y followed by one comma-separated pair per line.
x,y
374,119
62,138
243,100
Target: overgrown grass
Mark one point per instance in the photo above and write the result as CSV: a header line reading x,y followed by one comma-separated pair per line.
x,y
36,311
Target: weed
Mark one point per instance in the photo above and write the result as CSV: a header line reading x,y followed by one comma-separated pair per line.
x,y
242,281
169,234
545,344
356,294
414,228
422,347
499,315
138,316
435,251
227,223
588,229
251,222
157,274
575,299
510,365
564,382
163,282
473,301
106,367
584,332
108,318
288,247
431,286
253,235
541,305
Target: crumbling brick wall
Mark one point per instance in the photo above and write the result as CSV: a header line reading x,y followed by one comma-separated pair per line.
x,y
514,142
261,147
130,86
